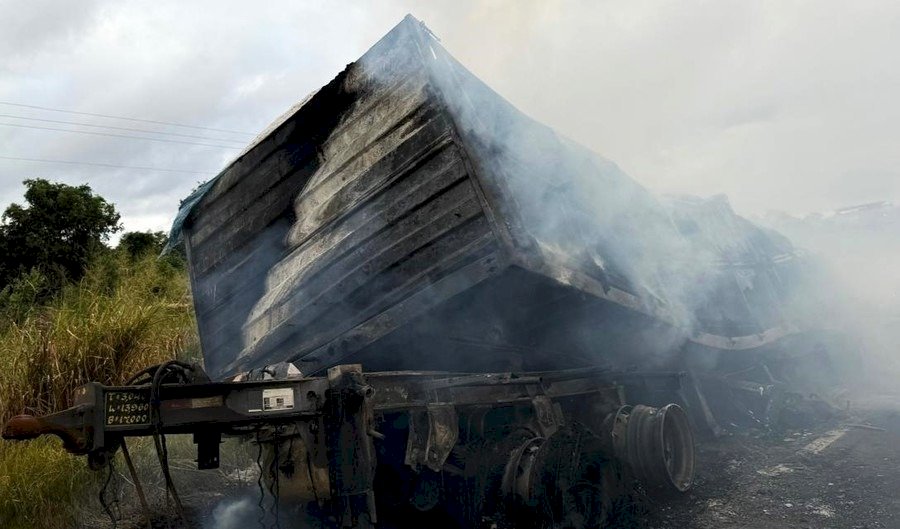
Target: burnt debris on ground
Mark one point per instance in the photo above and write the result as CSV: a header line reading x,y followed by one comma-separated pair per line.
x,y
840,474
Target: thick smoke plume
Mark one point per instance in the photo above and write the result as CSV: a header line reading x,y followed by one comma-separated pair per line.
x,y
580,206
857,291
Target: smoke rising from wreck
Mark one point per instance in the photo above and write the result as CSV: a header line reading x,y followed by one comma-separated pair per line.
x,y
578,205
244,512
697,98
857,284
623,227
234,514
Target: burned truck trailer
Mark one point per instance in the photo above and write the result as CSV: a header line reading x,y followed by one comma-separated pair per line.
x,y
405,216
426,302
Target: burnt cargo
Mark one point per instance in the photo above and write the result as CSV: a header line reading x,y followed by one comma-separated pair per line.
x,y
405,216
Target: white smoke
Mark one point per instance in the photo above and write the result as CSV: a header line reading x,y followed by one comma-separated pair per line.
x,y
233,514
858,251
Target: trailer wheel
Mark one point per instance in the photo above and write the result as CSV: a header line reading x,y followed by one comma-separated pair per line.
x,y
656,444
563,481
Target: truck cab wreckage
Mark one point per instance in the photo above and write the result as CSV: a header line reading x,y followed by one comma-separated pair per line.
x,y
418,300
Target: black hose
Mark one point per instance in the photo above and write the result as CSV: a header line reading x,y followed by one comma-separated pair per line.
x,y
275,486
259,483
159,438
106,507
149,372
146,372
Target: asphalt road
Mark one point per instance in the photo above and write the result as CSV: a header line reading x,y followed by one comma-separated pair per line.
x,y
844,474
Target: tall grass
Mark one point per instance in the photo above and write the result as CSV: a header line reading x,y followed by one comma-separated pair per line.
x,y
122,316
125,314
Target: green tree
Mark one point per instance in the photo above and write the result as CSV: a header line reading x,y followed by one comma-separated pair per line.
x,y
138,243
56,231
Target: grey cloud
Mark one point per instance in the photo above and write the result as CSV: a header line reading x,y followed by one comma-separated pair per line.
x,y
40,26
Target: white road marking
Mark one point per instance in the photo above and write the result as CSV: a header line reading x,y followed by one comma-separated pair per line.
x,y
776,470
818,445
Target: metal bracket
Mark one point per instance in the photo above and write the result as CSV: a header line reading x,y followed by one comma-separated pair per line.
x,y
548,415
694,398
207,449
433,433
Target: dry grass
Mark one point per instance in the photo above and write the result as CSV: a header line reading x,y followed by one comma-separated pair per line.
x,y
123,316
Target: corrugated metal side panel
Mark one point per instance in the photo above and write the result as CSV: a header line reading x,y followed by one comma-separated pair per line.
x,y
332,225
370,254
253,234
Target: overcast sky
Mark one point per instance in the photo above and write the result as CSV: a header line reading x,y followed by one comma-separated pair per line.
x,y
789,105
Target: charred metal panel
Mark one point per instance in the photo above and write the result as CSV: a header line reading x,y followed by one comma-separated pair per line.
x,y
358,201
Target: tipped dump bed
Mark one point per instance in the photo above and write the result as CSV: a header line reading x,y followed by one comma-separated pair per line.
x,y
406,216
